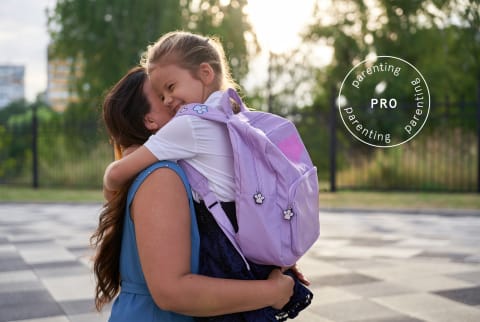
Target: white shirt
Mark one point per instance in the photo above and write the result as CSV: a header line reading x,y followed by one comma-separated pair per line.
x,y
204,144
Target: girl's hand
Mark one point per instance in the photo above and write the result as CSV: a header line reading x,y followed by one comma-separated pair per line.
x,y
108,194
284,284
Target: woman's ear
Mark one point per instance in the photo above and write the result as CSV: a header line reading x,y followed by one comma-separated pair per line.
x,y
206,74
150,123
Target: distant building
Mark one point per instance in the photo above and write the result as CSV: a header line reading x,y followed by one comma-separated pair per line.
x,y
61,73
12,84
59,76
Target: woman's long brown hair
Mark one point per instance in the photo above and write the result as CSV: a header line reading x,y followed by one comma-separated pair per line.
x,y
124,109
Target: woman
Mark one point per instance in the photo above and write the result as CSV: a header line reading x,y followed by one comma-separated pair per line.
x,y
148,249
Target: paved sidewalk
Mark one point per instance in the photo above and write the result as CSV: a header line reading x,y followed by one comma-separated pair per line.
x,y
377,267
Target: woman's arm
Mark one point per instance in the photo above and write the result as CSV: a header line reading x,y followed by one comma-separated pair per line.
x,y
161,214
119,172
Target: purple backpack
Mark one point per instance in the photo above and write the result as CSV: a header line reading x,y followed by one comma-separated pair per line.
x,y
276,184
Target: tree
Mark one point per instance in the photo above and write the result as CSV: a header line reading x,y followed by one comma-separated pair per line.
x,y
440,37
12,109
106,38
16,136
227,20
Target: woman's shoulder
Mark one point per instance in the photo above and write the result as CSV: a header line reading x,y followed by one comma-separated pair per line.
x,y
159,174
164,174
162,170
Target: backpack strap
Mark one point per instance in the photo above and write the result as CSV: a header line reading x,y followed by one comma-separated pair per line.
x,y
200,184
203,111
228,95
198,181
210,113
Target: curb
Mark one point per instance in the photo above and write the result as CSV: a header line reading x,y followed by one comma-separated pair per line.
x,y
406,211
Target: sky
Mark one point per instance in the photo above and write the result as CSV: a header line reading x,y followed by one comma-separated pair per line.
x,y
24,37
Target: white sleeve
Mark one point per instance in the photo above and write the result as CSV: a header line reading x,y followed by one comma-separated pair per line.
x,y
174,141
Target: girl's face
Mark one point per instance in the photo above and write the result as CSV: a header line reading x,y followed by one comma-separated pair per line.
x,y
159,114
177,86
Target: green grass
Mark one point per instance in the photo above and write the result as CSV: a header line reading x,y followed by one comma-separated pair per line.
x,y
400,200
21,194
329,200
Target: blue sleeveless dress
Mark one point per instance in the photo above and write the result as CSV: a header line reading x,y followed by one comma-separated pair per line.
x,y
134,303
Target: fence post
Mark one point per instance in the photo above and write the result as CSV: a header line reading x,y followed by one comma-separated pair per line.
x,y
34,146
333,140
269,83
478,135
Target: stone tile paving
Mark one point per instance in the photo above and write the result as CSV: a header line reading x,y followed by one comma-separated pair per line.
x,y
367,266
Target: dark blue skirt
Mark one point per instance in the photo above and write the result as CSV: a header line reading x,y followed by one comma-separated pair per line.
x,y
218,258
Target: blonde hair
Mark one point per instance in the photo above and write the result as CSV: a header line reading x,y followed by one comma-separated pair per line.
x,y
188,51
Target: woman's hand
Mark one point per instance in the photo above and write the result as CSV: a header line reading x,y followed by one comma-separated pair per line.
x,y
299,275
285,284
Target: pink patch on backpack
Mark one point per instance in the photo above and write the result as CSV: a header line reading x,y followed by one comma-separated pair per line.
x,y
291,147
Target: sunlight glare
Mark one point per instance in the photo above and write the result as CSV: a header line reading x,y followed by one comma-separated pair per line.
x,y
277,24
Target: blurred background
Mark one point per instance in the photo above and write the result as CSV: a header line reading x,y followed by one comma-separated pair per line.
x,y
58,58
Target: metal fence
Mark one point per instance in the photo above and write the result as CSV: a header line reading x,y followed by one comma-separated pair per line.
x,y
55,154
444,156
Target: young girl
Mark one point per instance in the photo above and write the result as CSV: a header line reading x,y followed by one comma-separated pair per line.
x,y
187,68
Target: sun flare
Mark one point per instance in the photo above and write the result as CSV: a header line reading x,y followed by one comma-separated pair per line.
x,y
277,24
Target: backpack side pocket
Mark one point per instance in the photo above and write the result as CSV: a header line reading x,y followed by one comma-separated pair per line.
x,y
305,222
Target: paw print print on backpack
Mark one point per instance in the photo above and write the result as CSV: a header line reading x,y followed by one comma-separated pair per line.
x,y
288,214
200,108
258,197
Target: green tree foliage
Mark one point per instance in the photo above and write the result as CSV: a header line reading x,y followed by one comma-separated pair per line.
x,y
106,38
14,108
466,44
16,137
7,161
440,37
342,29
66,153
14,140
226,20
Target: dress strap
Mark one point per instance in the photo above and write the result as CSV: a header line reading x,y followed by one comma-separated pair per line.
x,y
195,236
147,171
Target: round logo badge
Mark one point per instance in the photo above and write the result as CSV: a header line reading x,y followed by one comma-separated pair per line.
x,y
384,101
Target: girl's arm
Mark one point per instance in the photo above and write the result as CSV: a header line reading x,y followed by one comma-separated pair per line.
x,y
161,215
119,172
175,141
